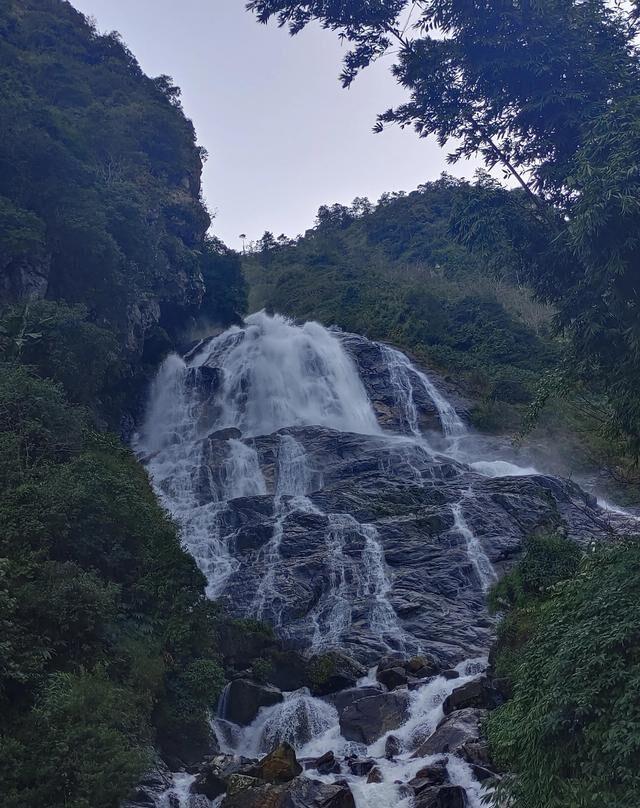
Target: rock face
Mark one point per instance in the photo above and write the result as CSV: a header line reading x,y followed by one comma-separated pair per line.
x,y
454,732
245,698
302,793
320,499
327,486
367,719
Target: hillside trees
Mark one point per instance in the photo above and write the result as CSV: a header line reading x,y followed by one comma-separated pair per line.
x,y
548,91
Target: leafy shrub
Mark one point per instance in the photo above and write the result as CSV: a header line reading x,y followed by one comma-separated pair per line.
x,y
571,733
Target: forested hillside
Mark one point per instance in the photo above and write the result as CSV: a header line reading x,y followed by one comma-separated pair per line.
x,y
398,271
107,643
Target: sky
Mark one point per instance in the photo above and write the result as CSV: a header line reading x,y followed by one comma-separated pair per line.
x,y
283,136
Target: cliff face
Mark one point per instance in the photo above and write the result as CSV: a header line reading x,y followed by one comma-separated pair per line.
x,y
99,178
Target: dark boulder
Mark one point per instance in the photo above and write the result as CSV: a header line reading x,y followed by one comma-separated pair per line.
x,y
453,732
345,698
300,793
435,774
392,747
422,666
446,796
367,719
245,698
476,752
279,766
333,671
392,677
374,776
361,766
326,764
475,693
210,781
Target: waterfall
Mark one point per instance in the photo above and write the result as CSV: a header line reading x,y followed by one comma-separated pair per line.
x,y
264,445
403,377
477,556
279,374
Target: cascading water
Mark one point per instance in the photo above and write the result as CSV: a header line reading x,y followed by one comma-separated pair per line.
x,y
271,448
477,556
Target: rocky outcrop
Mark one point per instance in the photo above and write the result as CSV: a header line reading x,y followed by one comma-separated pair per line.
x,y
453,732
151,787
367,719
279,766
301,793
245,698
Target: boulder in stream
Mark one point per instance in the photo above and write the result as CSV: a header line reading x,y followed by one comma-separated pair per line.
x,y
279,766
453,732
245,698
445,796
369,718
300,793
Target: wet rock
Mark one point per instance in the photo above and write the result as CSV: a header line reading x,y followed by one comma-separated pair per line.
x,y
392,677
147,792
481,773
446,796
210,781
374,776
361,766
476,693
230,433
392,747
453,732
245,698
332,672
345,698
476,752
450,674
422,666
239,783
279,766
435,774
367,719
300,793
326,764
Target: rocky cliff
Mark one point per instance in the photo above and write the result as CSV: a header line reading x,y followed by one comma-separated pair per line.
x,y
328,486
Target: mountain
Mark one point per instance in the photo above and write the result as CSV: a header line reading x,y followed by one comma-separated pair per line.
x,y
108,645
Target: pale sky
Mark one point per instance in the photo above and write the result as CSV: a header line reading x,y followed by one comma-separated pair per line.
x,y
283,136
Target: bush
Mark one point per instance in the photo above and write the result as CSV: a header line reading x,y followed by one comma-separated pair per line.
x,y
571,733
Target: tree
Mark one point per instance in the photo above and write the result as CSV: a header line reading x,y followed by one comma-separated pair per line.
x,y
549,91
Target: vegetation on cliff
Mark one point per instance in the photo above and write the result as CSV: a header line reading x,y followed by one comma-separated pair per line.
x,y
569,645
107,642
100,189
394,271
548,92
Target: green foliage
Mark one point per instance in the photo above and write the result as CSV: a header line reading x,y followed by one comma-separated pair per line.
x,y
60,343
103,614
225,298
394,272
549,92
547,559
99,172
571,732
100,210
